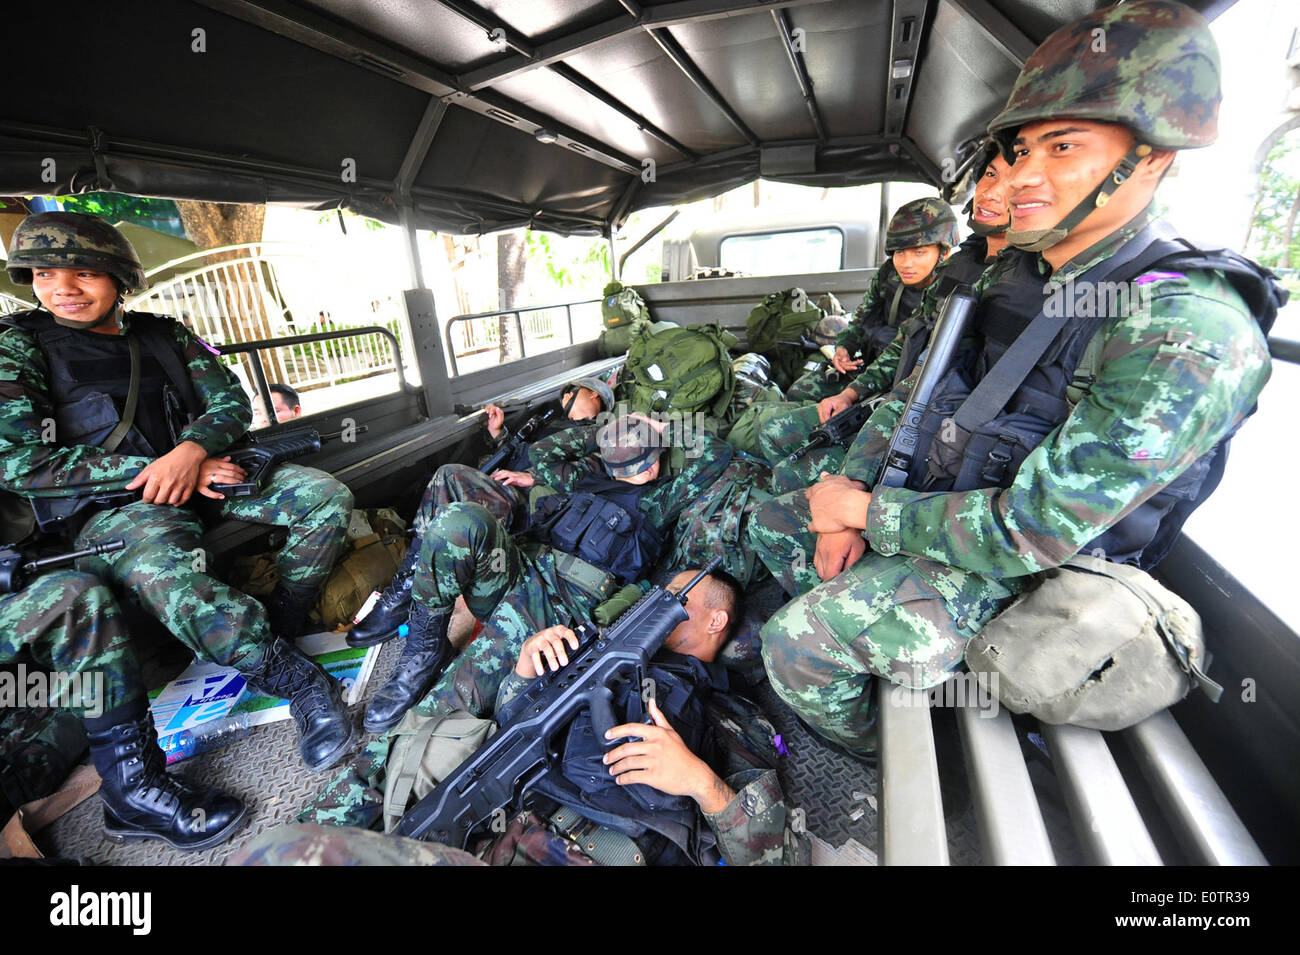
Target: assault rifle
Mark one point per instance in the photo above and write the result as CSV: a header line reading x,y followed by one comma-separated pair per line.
x,y
517,440
958,308
839,429
16,573
259,456
507,767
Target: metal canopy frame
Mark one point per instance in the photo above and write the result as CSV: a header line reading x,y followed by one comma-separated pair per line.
x,y
474,204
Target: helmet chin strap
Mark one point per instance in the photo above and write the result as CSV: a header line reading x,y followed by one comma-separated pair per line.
x,y
983,228
1040,240
112,316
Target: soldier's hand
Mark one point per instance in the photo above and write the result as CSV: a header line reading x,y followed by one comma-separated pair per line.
x,y
171,479
496,421
828,408
843,363
218,471
548,643
662,760
837,503
514,478
837,552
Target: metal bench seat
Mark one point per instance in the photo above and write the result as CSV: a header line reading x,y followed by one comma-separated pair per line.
x,y
1106,819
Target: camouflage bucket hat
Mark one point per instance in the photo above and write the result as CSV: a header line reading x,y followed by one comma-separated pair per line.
x,y
58,240
1152,65
921,222
628,445
604,391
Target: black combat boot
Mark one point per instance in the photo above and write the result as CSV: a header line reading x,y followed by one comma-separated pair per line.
x,y
324,729
425,655
288,606
391,609
141,799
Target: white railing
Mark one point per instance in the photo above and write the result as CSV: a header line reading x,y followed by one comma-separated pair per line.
x,y
9,305
257,291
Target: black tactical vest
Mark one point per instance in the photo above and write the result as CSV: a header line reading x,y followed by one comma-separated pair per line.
x,y
602,523
962,268
991,454
668,828
90,375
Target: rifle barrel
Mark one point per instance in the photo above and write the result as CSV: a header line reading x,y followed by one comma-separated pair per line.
x,y
107,547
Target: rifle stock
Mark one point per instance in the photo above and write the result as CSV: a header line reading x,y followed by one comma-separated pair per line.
x,y
958,309
504,769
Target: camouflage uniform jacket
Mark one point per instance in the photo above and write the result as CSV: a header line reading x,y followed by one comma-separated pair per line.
x,y
561,460
751,828
1179,368
37,468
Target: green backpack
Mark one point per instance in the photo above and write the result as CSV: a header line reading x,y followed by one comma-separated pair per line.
x,y
775,329
682,370
781,317
621,305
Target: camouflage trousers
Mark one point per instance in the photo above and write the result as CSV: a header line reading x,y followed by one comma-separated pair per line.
x,y
514,590
164,565
782,435
714,525
899,617
816,385
460,482
38,748
315,844
67,622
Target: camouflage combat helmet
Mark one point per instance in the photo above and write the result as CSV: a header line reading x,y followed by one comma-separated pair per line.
x,y
628,445
921,222
1151,65
56,240
602,390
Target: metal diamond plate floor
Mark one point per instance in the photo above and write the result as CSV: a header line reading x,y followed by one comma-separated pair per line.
x,y
263,769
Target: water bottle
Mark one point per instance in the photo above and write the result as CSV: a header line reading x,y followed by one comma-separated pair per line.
x,y
208,736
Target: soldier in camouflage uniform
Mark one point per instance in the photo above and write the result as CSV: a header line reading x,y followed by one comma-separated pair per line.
x,y
918,238
582,399
519,588
746,812
67,383
1129,447
67,623
989,216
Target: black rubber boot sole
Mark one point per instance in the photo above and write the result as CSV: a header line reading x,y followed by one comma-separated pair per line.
x,y
124,835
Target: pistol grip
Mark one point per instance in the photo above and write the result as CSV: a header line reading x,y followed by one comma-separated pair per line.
x,y
600,702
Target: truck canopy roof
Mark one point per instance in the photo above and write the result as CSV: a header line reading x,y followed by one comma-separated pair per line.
x,y
437,106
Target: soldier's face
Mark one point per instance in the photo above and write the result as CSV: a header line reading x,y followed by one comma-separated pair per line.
x,y
76,294
914,266
645,477
585,406
704,631
1059,162
991,193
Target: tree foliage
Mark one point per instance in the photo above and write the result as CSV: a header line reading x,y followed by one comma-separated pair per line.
x,y
1275,238
160,214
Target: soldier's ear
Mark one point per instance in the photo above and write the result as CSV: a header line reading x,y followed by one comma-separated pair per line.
x,y
719,622
1152,167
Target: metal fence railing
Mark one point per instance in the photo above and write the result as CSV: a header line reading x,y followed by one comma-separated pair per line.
x,y
264,291
9,304
477,341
